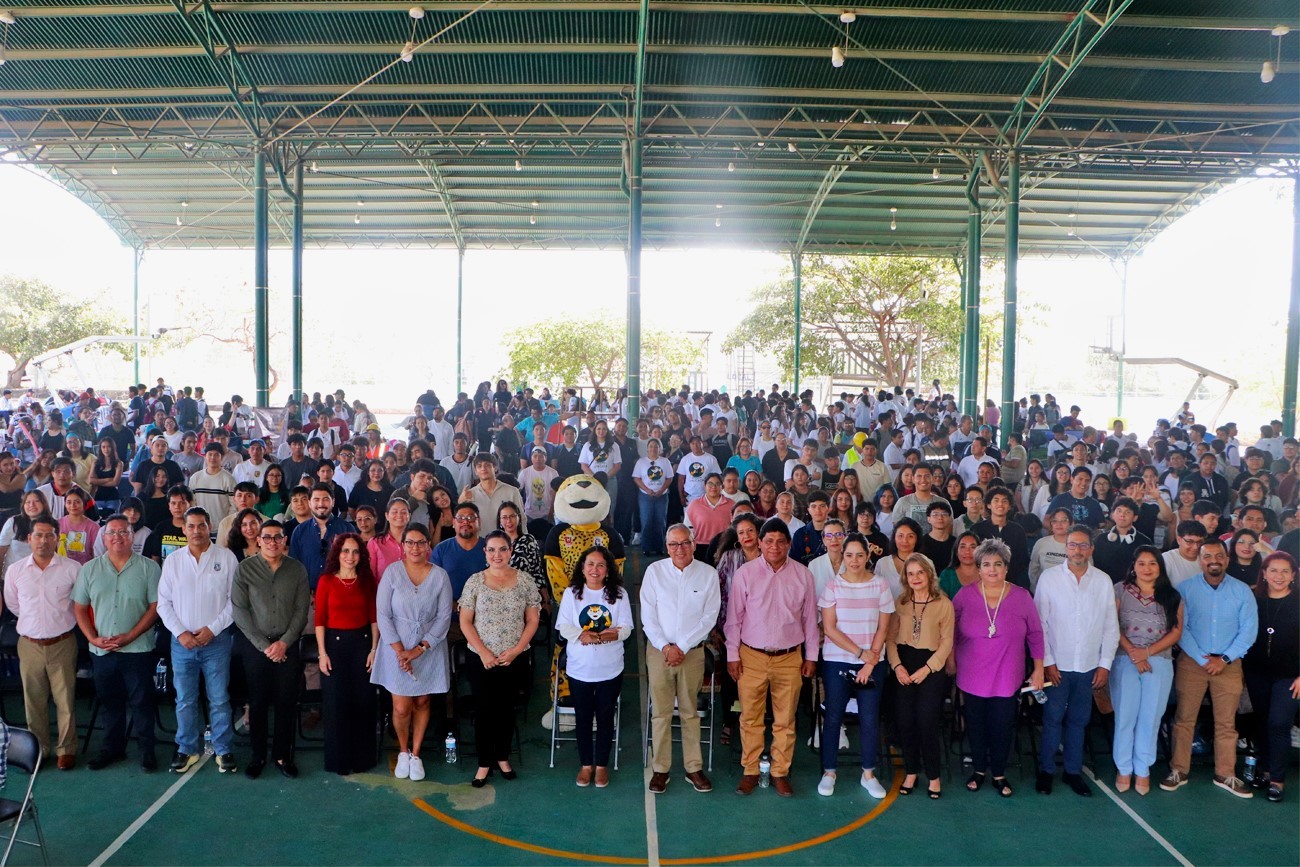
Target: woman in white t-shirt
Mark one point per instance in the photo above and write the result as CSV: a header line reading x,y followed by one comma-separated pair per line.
x,y
856,607
601,454
595,619
653,476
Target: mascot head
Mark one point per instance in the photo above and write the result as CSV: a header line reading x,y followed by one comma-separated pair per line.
x,y
581,500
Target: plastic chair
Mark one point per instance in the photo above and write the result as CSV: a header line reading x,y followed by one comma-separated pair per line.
x,y
566,710
308,699
25,755
705,710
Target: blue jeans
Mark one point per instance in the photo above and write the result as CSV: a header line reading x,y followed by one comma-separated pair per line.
x,y
654,522
835,678
213,662
1068,709
1140,701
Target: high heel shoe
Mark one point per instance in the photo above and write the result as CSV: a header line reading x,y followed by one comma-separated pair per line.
x,y
907,790
507,773
934,793
480,782
1123,782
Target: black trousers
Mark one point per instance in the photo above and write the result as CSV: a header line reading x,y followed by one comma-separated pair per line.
x,y
348,702
271,685
495,690
991,727
123,679
598,701
918,709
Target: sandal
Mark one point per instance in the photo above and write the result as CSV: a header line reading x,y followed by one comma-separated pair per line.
x,y
725,737
1002,787
976,780
907,790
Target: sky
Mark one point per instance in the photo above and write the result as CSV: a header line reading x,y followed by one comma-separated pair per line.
x,y
1212,288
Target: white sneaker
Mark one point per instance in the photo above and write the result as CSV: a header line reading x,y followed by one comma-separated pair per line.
x,y
417,772
873,787
403,769
826,787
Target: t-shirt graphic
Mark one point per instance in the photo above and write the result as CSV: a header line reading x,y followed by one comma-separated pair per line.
x,y
595,617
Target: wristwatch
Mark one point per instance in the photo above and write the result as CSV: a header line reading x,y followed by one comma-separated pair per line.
x,y
1227,660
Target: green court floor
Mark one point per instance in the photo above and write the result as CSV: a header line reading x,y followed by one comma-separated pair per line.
x,y
121,816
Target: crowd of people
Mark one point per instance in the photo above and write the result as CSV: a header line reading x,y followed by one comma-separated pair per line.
x,y
884,546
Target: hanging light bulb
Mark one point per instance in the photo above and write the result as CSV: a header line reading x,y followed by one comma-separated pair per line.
x,y
361,203
185,203
718,206
848,16
178,221
408,52
792,148
893,220
519,165
1267,72
114,170
7,17
313,168
416,12
2,54
356,219
717,222
532,219
935,174
535,204
1281,30
837,56
731,167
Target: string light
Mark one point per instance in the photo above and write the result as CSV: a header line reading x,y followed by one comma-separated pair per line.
x,y
532,219
731,167
407,54
356,219
792,148
837,56
113,170
893,221
935,174
717,223
519,165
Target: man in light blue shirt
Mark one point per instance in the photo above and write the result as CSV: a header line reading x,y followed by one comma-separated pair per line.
x,y
1219,626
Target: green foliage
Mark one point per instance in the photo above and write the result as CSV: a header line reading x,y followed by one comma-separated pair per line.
x,y
862,311
35,318
593,352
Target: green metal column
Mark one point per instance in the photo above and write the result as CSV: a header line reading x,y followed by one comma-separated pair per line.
x,y
297,279
1123,341
1289,383
261,292
634,284
1009,298
135,301
797,258
971,332
460,314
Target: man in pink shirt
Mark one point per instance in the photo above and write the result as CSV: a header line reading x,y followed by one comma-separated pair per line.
x,y
771,617
38,589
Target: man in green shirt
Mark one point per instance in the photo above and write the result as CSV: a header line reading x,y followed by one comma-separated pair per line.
x,y
115,601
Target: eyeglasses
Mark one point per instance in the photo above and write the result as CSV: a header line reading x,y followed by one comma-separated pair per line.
x,y
1079,546
832,535
111,533
416,543
688,543
465,519
279,537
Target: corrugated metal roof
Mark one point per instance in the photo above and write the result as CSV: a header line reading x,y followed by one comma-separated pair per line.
x,y
742,109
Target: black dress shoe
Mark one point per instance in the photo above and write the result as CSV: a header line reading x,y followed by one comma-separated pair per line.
x,y
148,762
509,775
103,760
1077,784
1044,784
255,768
288,769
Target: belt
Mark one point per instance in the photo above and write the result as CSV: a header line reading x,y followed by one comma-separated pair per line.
x,y
46,642
781,652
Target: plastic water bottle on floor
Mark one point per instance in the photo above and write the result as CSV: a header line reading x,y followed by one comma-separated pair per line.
x,y
1248,773
207,741
764,772
450,745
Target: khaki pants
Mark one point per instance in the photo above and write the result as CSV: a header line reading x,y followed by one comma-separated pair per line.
x,y
683,683
1190,684
783,677
50,672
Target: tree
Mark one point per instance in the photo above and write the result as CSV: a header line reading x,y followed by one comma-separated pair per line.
x,y
36,318
594,351
199,323
865,310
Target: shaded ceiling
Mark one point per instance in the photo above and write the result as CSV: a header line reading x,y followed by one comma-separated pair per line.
x,y
511,128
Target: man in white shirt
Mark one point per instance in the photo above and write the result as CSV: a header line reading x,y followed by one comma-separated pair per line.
x,y
347,473
1184,561
893,456
693,469
194,605
328,436
680,600
212,486
458,463
1076,604
254,469
969,467
440,430
807,459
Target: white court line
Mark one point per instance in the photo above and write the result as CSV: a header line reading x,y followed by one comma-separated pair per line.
x,y
134,827
1132,814
651,815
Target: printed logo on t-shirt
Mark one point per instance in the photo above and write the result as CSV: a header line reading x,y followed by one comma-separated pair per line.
x,y
595,617
537,488
696,469
655,473
600,456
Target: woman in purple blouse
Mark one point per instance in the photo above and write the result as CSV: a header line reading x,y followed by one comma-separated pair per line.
x,y
996,624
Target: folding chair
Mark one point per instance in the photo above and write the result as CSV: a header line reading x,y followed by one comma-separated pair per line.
x,y
308,699
25,755
704,708
559,710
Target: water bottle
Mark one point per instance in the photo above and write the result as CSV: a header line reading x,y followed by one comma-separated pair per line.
x,y
160,676
764,772
1039,696
1248,774
450,746
207,741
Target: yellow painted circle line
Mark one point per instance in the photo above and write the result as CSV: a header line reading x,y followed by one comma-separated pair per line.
x,y
677,862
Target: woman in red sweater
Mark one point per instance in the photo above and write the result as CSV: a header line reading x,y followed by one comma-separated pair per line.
x,y
347,633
